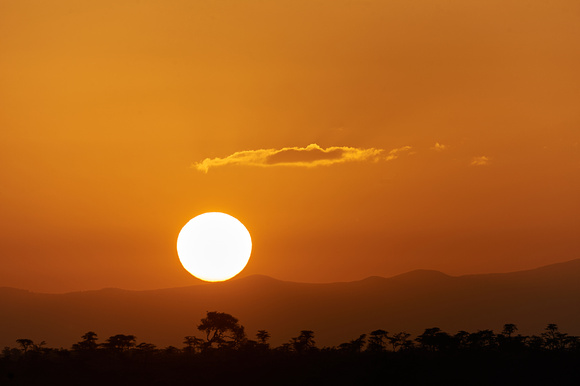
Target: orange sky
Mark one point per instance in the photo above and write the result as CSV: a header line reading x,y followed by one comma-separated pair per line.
x,y
455,128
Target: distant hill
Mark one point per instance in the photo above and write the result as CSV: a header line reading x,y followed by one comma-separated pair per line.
x,y
336,312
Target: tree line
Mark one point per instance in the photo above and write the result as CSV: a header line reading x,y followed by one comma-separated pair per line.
x,y
222,331
221,352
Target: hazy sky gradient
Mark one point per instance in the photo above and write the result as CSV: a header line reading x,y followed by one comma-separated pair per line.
x,y
106,107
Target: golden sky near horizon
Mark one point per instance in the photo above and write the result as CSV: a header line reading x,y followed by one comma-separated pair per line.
x,y
352,138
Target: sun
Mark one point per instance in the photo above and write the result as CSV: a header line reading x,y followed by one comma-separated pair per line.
x,y
214,246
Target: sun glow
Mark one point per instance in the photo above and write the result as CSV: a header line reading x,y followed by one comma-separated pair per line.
x,y
214,246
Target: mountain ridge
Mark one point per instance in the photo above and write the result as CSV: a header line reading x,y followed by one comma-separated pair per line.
x,y
337,312
426,273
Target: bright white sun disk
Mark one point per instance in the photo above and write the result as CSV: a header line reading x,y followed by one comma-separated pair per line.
x,y
214,246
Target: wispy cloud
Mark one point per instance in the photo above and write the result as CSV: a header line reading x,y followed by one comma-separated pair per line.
x,y
439,147
480,161
394,154
309,156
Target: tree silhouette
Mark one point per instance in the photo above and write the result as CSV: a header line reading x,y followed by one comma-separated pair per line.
x,y
222,330
120,342
509,329
193,344
88,342
238,338
26,344
444,341
400,341
434,357
433,339
535,342
263,336
9,353
482,339
428,338
146,347
171,350
507,341
573,343
39,346
303,342
377,341
462,339
553,338
355,345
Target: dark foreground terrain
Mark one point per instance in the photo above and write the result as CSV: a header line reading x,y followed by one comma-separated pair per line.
x,y
225,356
325,367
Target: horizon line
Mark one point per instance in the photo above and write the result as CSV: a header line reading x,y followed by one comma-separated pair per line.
x,y
199,282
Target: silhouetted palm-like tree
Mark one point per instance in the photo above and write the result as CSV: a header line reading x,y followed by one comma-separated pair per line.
x,y
263,336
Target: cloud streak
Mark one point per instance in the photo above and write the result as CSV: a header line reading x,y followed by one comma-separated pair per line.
x,y
394,154
480,161
309,156
439,147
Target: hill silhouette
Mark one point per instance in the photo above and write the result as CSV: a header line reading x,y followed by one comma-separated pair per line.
x,y
337,312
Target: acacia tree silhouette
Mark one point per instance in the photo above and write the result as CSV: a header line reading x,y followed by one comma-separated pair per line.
x,y
25,344
222,330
